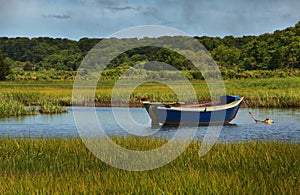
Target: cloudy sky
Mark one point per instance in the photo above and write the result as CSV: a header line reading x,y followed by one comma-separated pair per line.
x,y
75,19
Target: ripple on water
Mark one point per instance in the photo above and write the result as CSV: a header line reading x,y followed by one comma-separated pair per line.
x,y
285,128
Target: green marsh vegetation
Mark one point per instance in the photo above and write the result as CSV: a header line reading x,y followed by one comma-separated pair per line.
x,y
276,92
267,93
65,166
11,105
51,108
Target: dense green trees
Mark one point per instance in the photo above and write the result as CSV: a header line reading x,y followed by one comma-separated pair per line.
x,y
4,66
279,50
46,53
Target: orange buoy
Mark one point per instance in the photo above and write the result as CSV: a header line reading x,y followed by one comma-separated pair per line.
x,y
269,121
266,121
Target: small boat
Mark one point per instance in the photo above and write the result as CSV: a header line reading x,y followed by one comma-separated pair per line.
x,y
215,113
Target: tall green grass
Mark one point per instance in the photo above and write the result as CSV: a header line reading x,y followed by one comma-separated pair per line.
x,y
49,108
267,93
65,166
114,74
11,107
264,92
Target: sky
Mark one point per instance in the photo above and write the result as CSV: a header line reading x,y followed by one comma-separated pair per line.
x,y
75,19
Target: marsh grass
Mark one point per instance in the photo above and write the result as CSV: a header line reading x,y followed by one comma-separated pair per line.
x,y
264,92
65,166
267,93
11,107
50,108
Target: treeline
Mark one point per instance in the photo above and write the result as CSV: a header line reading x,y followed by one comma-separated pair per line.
x,y
278,50
46,53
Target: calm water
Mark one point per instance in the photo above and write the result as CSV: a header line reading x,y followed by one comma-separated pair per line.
x,y
287,126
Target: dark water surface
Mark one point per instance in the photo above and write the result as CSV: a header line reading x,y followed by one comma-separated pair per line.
x,y
243,128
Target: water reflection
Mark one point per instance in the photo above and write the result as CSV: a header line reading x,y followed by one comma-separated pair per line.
x,y
285,128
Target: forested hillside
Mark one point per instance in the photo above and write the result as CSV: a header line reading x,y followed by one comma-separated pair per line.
x,y
279,50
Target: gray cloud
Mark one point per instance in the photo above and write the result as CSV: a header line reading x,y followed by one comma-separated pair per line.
x,y
100,2
124,8
218,17
58,16
102,17
6,6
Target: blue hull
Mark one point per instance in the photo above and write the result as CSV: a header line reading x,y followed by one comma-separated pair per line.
x,y
220,114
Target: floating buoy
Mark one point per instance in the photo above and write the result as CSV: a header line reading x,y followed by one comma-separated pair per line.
x,y
266,121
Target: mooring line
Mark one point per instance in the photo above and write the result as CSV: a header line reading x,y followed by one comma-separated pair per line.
x,y
266,121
